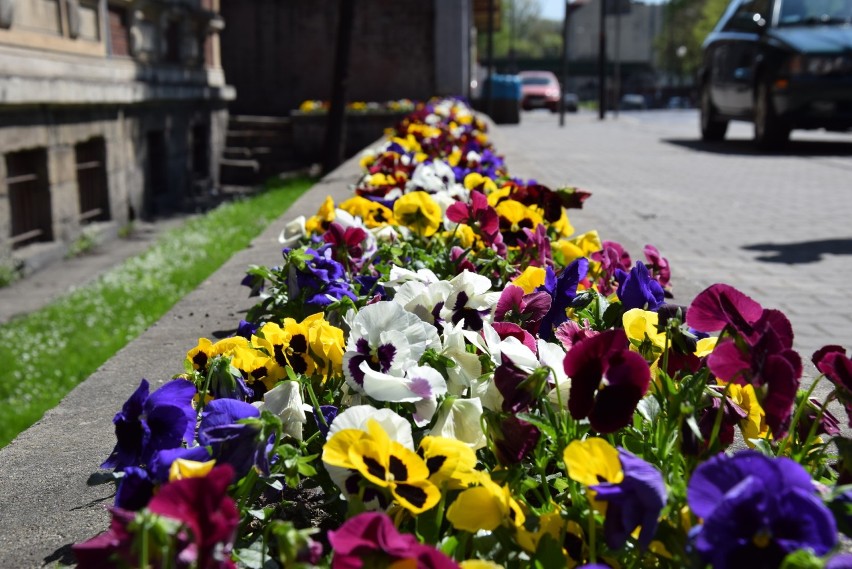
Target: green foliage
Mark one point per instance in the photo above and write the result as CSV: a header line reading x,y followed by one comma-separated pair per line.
x,y
523,27
48,352
10,270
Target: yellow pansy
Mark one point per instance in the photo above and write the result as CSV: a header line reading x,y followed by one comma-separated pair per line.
x,y
485,507
563,225
182,468
454,157
583,245
325,215
449,461
326,344
384,463
754,425
641,326
476,181
419,212
287,344
592,461
530,279
372,213
479,564
256,365
705,346
515,216
465,237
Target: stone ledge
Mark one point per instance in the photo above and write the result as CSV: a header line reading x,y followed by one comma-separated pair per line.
x,y
47,497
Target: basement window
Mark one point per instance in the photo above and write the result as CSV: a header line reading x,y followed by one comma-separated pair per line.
x,y
29,197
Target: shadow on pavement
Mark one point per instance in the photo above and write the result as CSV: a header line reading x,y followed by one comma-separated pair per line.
x,y
747,147
801,253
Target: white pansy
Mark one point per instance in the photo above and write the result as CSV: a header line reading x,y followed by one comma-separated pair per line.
x,y
471,299
285,402
552,355
460,419
384,339
293,232
422,299
468,366
397,428
432,177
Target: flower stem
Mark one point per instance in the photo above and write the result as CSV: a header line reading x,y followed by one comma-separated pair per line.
x,y
799,410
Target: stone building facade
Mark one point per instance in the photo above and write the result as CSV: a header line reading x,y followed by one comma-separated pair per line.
x,y
110,110
400,49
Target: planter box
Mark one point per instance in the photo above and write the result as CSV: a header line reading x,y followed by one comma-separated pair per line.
x,y
362,129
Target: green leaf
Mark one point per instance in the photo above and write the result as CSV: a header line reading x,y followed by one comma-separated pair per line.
x,y
802,559
549,554
544,426
649,408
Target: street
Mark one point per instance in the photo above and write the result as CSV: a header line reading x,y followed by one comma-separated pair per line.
x,y
776,226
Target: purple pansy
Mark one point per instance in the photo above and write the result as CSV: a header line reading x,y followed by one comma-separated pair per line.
x,y
756,510
635,501
607,380
148,423
523,309
637,289
134,490
566,291
237,444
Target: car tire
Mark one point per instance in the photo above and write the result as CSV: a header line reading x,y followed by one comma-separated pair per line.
x,y
712,127
770,131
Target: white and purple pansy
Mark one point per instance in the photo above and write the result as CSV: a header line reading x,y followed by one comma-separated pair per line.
x,y
471,300
384,342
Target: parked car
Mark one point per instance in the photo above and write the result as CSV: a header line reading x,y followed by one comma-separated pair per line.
x,y
781,64
539,89
633,102
571,102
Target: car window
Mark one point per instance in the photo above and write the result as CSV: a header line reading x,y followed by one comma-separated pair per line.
x,y
750,16
535,81
811,12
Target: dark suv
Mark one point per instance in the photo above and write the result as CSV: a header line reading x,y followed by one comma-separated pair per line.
x,y
782,64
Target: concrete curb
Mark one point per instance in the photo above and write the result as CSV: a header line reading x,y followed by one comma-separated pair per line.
x,y
49,498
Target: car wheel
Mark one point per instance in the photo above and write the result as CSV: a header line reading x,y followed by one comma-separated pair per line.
x,y
712,127
770,132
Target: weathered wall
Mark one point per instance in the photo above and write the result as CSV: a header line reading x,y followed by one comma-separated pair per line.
x,y
278,54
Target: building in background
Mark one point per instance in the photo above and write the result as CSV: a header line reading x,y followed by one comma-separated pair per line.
x,y
401,49
109,110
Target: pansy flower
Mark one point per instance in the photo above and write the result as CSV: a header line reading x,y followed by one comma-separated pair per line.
x,y
148,423
450,461
514,218
232,441
837,367
373,213
636,501
204,507
609,259
563,294
318,278
470,299
478,214
385,463
755,510
384,340
607,380
459,419
762,353
323,218
486,506
370,539
418,212
637,289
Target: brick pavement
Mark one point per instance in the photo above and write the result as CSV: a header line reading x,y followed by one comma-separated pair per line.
x,y
775,226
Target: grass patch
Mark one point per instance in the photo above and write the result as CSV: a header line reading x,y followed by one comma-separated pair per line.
x,y
47,353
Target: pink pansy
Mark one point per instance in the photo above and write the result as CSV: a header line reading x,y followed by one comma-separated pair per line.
x,y
203,505
371,540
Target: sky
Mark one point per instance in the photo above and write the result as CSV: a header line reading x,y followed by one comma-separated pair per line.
x,y
555,9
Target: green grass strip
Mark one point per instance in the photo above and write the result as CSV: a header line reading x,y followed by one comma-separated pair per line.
x,y
47,353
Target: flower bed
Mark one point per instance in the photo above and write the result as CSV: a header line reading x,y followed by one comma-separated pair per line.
x,y
439,374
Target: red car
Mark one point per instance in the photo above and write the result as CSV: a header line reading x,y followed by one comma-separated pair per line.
x,y
539,90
